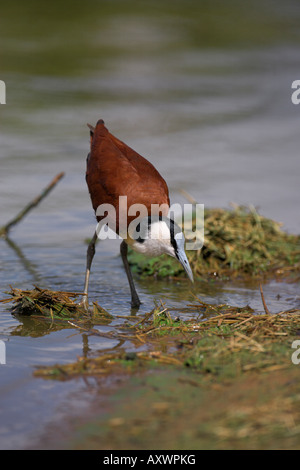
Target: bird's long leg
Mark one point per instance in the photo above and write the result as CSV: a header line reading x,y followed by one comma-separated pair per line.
x,y
89,258
135,301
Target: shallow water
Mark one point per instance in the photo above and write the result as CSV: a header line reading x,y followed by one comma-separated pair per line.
x,y
211,110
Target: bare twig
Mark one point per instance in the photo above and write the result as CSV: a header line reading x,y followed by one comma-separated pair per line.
x,y
91,127
5,229
188,196
263,301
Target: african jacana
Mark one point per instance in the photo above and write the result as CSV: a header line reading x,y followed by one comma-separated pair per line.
x,y
113,170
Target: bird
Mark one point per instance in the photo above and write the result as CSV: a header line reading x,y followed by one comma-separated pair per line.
x,y
115,171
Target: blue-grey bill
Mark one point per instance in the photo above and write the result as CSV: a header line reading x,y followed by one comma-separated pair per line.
x,y
184,262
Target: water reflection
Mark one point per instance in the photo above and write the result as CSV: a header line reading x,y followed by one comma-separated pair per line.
x,y
26,263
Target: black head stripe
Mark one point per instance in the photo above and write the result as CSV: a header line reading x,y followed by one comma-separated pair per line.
x,y
138,230
172,232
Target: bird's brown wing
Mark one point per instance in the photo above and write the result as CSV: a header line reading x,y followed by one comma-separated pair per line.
x,y
114,169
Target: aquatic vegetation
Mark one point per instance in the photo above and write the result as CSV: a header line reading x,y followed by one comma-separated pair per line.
x,y
223,344
214,337
53,305
176,364
237,243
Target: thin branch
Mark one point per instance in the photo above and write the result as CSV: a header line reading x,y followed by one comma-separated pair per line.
x,y
188,196
263,301
5,229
